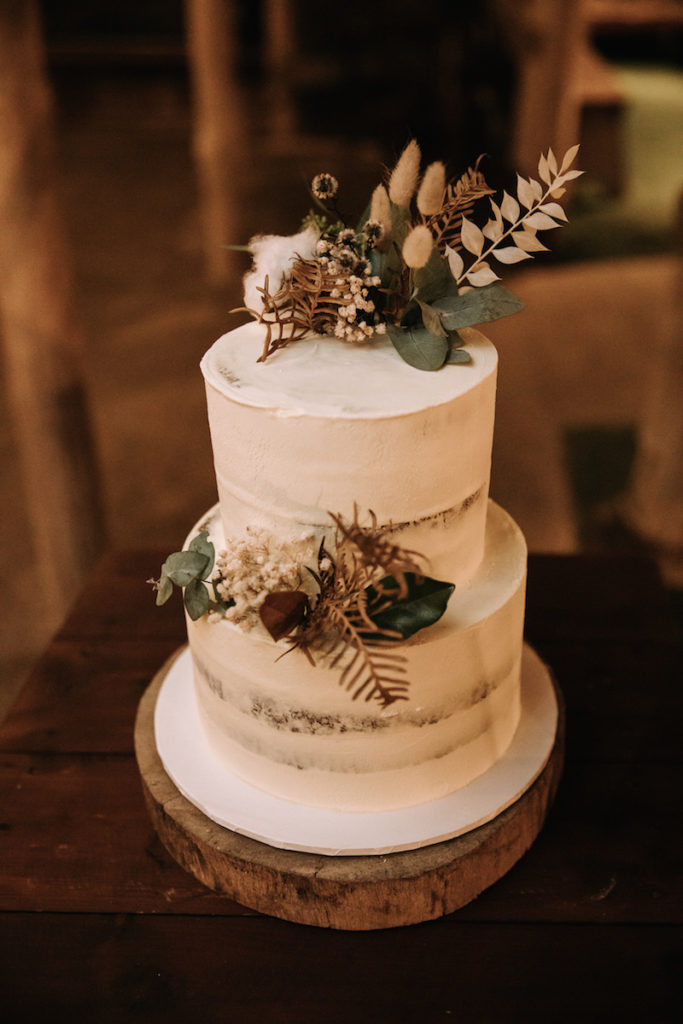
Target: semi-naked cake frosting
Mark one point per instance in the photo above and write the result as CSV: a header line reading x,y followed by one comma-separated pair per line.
x,y
322,427
355,601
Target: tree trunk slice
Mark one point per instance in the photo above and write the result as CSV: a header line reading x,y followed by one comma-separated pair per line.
x,y
352,893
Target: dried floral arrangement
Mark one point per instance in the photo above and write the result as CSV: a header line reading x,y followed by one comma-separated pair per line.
x,y
416,267
351,611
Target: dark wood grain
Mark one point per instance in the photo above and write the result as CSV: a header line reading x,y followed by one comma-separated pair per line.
x,y
254,970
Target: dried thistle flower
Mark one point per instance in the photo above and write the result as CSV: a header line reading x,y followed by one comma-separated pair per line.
x,y
431,191
403,180
373,231
417,247
324,186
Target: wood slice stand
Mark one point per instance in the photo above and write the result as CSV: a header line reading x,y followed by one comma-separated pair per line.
x,y
353,893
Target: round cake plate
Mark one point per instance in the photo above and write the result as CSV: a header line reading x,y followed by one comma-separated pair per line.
x,y
206,782
351,892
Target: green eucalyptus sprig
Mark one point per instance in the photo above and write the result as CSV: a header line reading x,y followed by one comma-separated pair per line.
x,y
191,571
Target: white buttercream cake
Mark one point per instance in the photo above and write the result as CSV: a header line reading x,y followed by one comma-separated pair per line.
x,y
355,602
319,427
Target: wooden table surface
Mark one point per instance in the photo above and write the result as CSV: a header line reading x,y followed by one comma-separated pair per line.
x,y
97,919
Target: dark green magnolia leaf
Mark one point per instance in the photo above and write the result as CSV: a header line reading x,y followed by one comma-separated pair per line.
x,y
459,355
203,545
418,346
424,605
283,611
164,589
432,320
184,566
478,306
196,599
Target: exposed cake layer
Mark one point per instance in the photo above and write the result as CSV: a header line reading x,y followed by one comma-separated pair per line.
x,y
287,727
324,425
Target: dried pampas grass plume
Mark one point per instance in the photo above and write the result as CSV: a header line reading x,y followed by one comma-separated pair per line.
x,y
431,190
403,180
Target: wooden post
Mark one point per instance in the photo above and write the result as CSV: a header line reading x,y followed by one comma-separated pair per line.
x,y
548,108
39,326
219,134
280,49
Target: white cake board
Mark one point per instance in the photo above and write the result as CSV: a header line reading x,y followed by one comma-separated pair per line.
x,y
232,803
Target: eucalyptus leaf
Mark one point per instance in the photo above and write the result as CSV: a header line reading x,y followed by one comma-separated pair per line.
x,y
432,320
204,546
400,223
164,589
478,306
184,566
459,355
434,280
196,599
419,347
423,605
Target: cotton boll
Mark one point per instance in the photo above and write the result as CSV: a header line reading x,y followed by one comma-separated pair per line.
x,y
273,255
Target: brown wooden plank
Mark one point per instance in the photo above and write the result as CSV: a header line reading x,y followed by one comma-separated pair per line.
x,y
167,969
597,598
83,696
118,601
74,835
624,701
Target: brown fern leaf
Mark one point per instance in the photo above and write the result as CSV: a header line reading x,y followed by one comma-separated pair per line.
x,y
459,201
371,669
369,552
304,302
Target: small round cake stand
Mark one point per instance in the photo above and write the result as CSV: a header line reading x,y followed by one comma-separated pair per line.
x,y
353,892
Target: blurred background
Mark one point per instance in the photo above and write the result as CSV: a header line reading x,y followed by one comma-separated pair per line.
x,y
137,139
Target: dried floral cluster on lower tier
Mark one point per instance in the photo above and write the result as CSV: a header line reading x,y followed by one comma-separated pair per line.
x,y
352,610
417,266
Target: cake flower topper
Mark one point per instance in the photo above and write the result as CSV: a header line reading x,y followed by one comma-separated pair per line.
x,y
417,267
352,610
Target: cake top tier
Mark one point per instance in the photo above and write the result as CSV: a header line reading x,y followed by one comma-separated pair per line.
x,y
325,377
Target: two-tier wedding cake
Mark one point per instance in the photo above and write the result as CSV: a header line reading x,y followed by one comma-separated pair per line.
x,y
355,601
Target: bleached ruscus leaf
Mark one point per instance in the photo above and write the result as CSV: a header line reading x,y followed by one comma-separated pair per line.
x,y
472,237
455,262
510,208
540,221
528,241
481,276
525,192
511,254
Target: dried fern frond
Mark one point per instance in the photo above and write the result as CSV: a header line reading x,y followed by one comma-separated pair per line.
x,y
370,552
311,299
459,201
338,631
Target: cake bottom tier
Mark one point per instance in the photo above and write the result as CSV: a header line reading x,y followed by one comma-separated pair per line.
x,y
287,727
